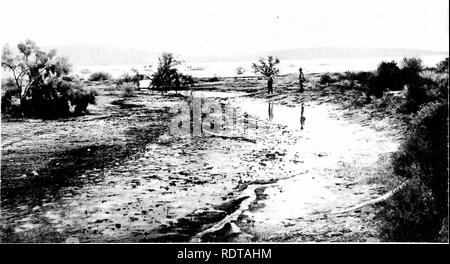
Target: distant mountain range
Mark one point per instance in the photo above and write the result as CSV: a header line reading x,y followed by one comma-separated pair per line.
x,y
104,55
84,55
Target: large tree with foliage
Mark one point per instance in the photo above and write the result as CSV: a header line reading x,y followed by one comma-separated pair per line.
x,y
37,76
32,67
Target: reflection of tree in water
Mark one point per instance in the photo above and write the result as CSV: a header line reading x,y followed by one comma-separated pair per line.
x,y
245,121
222,105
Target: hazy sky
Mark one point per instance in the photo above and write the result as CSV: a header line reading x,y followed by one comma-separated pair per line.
x,y
197,26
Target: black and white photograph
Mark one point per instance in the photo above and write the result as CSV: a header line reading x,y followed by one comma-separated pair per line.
x,y
240,122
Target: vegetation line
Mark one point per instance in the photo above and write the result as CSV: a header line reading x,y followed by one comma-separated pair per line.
x,y
380,199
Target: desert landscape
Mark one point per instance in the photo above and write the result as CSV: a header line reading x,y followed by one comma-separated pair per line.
x,y
123,173
262,138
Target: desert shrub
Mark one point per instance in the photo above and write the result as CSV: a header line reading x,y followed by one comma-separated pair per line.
x,y
416,85
325,79
79,98
410,215
167,76
240,70
58,99
374,88
417,212
389,76
131,78
9,91
85,71
435,86
212,79
8,84
99,76
361,77
358,81
124,78
186,80
411,69
416,95
442,87
424,153
442,67
127,90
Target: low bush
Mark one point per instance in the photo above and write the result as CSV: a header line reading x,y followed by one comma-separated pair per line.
x,y
99,76
240,70
325,79
442,67
58,99
361,77
128,90
9,91
212,79
387,77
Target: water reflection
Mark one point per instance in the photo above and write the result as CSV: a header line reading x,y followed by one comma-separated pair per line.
x,y
270,110
202,117
302,117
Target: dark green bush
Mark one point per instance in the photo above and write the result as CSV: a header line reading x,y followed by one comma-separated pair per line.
x,y
99,76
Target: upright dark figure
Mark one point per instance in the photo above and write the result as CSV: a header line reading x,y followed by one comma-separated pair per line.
x,y
270,85
301,79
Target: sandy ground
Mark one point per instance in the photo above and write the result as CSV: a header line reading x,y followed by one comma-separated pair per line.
x,y
123,174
